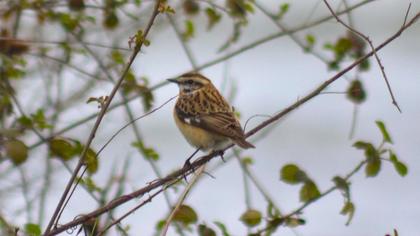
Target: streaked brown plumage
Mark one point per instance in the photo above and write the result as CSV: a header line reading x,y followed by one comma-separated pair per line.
x,y
204,117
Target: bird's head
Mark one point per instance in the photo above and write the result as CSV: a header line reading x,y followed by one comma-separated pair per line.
x,y
190,82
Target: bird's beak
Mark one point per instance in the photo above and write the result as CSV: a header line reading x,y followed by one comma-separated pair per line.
x,y
173,80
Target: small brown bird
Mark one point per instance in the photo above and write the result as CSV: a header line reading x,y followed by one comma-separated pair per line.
x,y
204,116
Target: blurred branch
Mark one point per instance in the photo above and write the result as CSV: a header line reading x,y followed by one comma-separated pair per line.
x,y
186,170
181,199
34,41
184,44
209,64
104,109
366,38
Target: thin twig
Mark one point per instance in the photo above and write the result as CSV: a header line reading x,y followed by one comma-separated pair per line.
x,y
99,119
181,199
367,39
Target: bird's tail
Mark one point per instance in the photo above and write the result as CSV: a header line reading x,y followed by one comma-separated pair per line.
x,y
243,143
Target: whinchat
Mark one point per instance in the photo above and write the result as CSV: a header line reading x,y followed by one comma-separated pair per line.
x,y
204,116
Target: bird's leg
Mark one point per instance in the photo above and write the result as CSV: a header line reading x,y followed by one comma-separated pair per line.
x,y
221,153
187,163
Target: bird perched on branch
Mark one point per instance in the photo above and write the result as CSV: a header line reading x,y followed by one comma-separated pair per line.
x,y
204,116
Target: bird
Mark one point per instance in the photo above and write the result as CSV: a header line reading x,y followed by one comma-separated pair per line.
x,y
204,117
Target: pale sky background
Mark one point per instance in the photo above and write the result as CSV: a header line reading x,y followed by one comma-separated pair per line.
x,y
270,77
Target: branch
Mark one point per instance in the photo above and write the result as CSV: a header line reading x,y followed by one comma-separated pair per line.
x,y
100,117
209,64
204,159
366,38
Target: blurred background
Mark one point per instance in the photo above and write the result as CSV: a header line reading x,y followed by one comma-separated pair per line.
x,y
262,80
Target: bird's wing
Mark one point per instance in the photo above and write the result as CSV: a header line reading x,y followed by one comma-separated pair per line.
x,y
222,123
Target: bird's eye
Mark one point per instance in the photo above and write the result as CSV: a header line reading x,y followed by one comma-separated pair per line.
x,y
190,81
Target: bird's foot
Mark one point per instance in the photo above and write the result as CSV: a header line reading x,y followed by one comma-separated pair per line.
x,y
221,154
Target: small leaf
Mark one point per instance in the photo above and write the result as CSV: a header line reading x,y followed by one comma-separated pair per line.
x,y
309,191
17,151
284,8
222,228
91,161
160,224
310,40
356,92
373,167
117,57
186,215
204,230
189,30
62,148
32,229
341,184
149,153
110,20
370,152
400,167
348,209
384,131
247,161
251,218
213,17
291,174
90,184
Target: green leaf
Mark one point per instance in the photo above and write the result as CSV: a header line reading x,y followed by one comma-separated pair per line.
x,y
91,161
310,40
247,161
62,149
110,20
32,229
249,7
251,218
39,119
348,209
186,215
284,8
370,152
148,153
160,224
373,167
91,185
213,17
25,121
400,167
16,150
309,191
291,174
68,22
189,30
117,57
356,92
222,228
341,184
204,230
384,131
